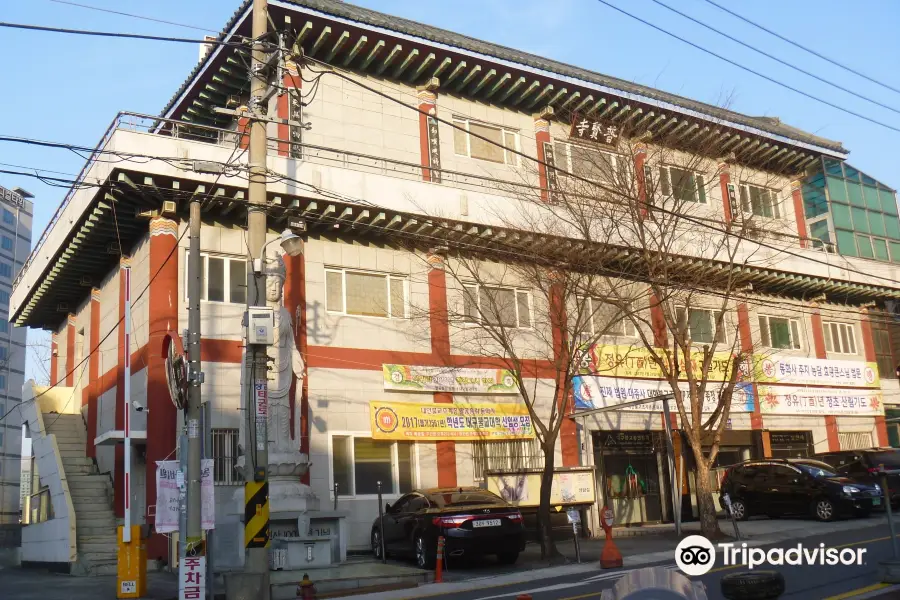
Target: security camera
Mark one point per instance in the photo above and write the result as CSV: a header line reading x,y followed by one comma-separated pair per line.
x,y
138,406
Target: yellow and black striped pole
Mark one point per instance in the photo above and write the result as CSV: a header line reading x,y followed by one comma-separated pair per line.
x,y
256,514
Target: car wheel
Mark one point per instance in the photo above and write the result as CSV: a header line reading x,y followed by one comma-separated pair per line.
x,y
753,585
739,510
508,558
425,557
823,509
376,543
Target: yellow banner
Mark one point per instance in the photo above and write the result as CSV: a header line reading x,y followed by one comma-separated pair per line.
x,y
634,361
429,422
801,370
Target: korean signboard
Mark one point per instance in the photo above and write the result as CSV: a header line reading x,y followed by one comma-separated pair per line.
x,y
409,378
799,370
192,578
600,132
599,392
635,361
424,422
793,400
12,197
524,488
168,495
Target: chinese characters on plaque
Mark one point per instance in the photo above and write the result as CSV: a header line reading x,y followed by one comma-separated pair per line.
x,y
434,150
596,131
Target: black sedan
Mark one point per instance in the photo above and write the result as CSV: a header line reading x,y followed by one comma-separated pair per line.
x,y
473,522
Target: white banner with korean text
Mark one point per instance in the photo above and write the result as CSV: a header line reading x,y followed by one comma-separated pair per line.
x,y
168,496
802,370
598,392
793,400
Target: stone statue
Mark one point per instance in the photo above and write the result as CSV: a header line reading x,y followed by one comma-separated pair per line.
x,y
285,363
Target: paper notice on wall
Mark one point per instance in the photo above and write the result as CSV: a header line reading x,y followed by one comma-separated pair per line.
x,y
167,496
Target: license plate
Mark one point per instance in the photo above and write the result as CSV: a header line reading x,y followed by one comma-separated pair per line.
x,y
486,523
876,501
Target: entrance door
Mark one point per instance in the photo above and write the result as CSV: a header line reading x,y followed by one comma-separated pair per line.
x,y
630,484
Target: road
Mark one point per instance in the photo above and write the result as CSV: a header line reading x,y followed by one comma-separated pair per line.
x,y
802,582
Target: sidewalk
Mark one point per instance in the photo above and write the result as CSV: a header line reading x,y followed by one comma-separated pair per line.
x,y
36,584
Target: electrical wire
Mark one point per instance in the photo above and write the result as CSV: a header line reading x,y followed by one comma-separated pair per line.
x,y
750,70
776,59
804,48
117,34
134,16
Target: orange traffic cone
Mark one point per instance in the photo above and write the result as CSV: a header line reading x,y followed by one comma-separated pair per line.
x,y
439,564
610,558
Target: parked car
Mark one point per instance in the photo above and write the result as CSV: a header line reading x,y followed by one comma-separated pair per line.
x,y
777,487
862,465
473,521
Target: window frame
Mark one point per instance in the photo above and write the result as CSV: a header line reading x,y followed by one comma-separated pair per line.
x,y
712,313
631,334
530,457
8,217
6,270
226,434
887,357
827,327
395,466
226,277
476,321
747,209
509,158
794,325
569,166
388,278
699,183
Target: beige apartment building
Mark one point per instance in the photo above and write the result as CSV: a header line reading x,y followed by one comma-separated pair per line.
x,y
420,150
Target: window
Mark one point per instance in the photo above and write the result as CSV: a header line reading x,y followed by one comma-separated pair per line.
x,y
605,319
779,332
839,338
506,307
5,270
682,185
359,463
6,243
585,162
4,325
2,385
366,294
701,323
507,455
466,144
887,366
224,279
855,441
8,217
759,201
4,297
225,456
4,352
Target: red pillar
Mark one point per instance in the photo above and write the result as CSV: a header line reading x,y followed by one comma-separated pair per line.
x,y
756,419
640,160
70,351
440,347
54,360
119,474
162,319
724,180
429,143
869,349
295,303
569,444
542,137
93,387
658,322
243,128
292,84
799,212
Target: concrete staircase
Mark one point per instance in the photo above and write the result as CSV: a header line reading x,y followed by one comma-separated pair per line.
x,y
91,497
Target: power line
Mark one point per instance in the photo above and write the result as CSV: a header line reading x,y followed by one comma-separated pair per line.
x,y
117,34
776,59
805,48
749,70
134,16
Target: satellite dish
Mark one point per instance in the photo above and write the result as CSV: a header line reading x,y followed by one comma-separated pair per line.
x,y
176,370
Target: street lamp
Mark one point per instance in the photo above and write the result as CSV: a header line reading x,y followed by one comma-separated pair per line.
x,y
291,243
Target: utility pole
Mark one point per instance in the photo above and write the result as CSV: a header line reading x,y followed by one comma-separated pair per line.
x,y
194,548
256,486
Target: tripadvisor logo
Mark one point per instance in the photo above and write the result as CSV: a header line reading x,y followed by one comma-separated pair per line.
x,y
695,555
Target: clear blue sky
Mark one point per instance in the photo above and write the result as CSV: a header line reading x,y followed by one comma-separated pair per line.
x,y
68,88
